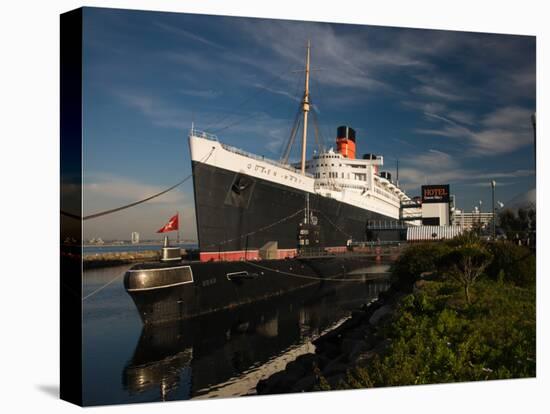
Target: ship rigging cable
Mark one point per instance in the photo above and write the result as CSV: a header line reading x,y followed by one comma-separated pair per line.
x,y
290,142
261,89
135,203
328,278
282,220
258,230
89,295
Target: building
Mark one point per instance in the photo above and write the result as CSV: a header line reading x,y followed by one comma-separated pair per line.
x,y
471,220
433,233
135,237
436,205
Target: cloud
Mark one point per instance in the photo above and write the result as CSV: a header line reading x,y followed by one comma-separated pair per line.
x,y
156,110
207,94
431,91
103,189
501,131
462,117
435,167
344,60
186,34
487,184
279,92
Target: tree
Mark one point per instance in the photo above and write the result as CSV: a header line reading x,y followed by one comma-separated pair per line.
x,y
521,224
465,261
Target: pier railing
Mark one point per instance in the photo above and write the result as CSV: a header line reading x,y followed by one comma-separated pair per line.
x,y
374,249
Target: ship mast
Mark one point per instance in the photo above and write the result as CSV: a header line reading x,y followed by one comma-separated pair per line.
x,y
305,109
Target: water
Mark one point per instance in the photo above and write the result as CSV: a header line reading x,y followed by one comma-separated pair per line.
x,y
87,250
218,355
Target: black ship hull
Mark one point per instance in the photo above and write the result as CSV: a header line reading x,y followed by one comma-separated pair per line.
x,y
171,291
237,214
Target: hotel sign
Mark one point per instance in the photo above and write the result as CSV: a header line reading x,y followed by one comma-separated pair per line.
x,y
435,193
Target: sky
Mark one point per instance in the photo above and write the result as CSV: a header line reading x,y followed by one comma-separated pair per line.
x,y
453,107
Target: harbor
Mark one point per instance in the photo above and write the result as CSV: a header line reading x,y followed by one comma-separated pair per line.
x,y
222,354
232,248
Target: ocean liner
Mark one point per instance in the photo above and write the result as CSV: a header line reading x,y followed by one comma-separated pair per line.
x,y
266,228
244,201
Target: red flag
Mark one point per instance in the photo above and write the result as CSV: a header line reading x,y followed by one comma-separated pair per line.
x,y
172,225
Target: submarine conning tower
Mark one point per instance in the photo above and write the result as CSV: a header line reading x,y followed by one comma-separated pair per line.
x,y
345,141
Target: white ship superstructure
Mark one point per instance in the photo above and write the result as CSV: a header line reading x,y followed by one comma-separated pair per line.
x,y
357,182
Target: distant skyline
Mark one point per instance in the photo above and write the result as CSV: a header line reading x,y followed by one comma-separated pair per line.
x,y
453,107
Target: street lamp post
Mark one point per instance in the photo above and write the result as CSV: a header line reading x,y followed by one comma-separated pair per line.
x,y
479,218
534,123
493,185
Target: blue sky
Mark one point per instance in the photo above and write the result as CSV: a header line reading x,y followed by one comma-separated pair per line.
x,y
453,107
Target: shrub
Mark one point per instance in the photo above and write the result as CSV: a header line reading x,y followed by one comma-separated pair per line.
x,y
465,260
417,259
430,341
512,263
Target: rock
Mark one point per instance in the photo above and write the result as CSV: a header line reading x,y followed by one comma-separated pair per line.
x,y
359,315
418,285
328,349
308,360
359,333
305,384
360,348
349,344
295,370
334,380
302,365
273,385
375,318
323,361
335,367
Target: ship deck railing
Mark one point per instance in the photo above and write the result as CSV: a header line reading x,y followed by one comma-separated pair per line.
x,y
212,137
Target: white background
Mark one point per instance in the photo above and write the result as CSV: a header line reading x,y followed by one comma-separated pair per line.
x,y
29,163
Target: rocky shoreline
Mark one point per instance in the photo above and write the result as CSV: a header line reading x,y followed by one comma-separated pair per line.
x,y
98,260
351,344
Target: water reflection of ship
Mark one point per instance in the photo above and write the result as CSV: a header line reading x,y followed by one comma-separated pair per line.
x,y
189,358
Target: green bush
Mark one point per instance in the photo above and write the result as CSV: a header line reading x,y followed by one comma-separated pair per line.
x,y
512,263
418,259
434,339
465,260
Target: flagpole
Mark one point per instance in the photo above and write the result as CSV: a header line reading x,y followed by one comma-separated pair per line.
x,y
178,240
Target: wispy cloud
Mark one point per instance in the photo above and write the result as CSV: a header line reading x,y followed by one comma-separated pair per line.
x,y
102,191
207,94
187,34
501,131
279,92
113,188
435,167
156,110
431,91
